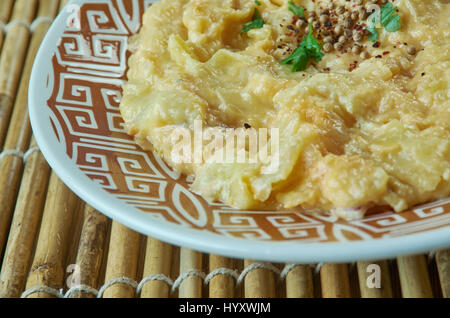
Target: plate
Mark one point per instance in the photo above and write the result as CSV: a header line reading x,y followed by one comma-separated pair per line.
x,y
74,97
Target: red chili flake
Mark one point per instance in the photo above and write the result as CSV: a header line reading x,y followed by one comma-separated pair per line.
x,y
376,44
378,56
386,52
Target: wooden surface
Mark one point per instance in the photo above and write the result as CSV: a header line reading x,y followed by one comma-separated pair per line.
x,y
54,245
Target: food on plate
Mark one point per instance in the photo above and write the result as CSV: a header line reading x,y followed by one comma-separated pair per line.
x,y
353,97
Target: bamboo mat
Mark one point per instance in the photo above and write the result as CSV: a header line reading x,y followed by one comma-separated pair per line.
x,y
50,240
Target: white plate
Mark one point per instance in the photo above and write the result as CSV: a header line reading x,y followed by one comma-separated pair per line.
x,y
73,104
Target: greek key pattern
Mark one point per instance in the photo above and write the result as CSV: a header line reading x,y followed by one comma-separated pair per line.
x,y
89,67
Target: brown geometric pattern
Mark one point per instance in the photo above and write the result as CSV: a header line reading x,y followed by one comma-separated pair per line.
x,y
89,67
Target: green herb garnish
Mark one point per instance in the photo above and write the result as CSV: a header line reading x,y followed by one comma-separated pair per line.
x,y
256,23
389,20
373,34
309,48
257,3
296,9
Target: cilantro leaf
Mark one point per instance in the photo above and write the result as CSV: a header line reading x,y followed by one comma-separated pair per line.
x,y
256,23
258,3
308,48
313,46
389,20
296,9
373,31
373,34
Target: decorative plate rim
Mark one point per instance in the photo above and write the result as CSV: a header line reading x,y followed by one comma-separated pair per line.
x,y
277,251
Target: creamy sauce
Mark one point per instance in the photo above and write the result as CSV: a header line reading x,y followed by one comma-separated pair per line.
x,y
375,135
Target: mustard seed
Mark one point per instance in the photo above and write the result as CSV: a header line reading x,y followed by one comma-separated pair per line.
x,y
328,39
356,49
338,46
364,55
324,18
338,30
327,47
412,50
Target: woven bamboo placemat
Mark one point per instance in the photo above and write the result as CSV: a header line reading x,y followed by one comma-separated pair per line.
x,y
54,245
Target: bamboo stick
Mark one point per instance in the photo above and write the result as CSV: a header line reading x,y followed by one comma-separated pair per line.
x,y
123,257
175,271
335,281
158,260
72,250
191,287
367,291
10,170
63,3
5,11
259,283
48,266
443,265
299,282
19,131
221,286
25,224
12,58
414,279
90,251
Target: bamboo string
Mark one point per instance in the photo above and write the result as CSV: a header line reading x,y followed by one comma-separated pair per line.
x,y
49,262
299,282
19,130
25,225
12,59
414,278
221,286
335,281
259,283
364,273
90,250
443,265
131,283
122,261
158,261
190,285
